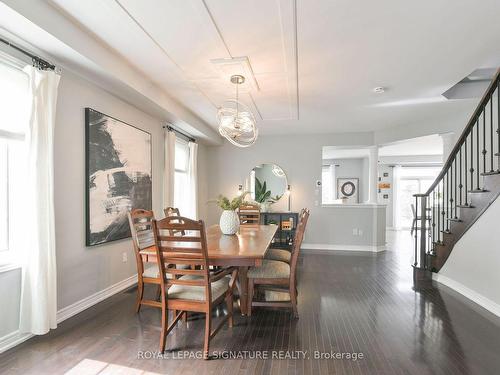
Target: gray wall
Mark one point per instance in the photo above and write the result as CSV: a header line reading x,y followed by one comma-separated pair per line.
x,y
84,271
354,168
390,192
10,295
300,156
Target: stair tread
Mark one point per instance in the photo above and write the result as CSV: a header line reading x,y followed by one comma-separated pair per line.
x,y
456,220
492,173
478,191
465,206
445,231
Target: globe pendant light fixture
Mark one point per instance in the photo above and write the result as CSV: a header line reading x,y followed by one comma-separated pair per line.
x,y
236,121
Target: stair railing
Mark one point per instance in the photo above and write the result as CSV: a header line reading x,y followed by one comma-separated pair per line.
x,y
476,154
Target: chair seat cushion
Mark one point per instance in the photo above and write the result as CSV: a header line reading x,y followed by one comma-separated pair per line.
x,y
197,293
276,296
270,269
279,254
151,270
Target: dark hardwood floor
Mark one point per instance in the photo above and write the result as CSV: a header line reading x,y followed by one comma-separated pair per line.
x,y
348,302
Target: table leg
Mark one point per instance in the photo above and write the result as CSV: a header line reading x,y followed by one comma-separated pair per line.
x,y
242,276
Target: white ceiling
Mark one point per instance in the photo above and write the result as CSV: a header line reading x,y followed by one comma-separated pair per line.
x,y
428,145
315,63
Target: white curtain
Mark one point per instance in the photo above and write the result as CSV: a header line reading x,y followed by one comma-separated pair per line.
x,y
169,169
38,307
193,180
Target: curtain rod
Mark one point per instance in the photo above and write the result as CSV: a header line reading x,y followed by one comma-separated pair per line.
x,y
37,61
172,129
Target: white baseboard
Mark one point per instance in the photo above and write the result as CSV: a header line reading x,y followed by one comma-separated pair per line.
x,y
479,299
79,306
12,339
330,247
15,338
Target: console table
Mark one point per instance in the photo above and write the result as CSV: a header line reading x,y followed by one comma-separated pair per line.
x,y
287,224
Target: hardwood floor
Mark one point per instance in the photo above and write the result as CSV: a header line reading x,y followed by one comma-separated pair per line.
x,y
348,302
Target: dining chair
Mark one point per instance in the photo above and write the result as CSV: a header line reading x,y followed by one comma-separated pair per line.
x,y
194,290
276,277
141,228
173,211
249,214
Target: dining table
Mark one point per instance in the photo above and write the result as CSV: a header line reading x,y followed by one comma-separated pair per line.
x,y
247,248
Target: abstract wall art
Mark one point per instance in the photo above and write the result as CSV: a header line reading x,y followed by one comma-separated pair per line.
x,y
118,176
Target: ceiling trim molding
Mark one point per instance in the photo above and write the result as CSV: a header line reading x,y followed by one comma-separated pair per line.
x,y
167,55
288,11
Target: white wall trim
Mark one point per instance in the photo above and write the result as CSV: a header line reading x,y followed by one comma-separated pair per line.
x,y
12,339
15,338
333,247
479,299
79,306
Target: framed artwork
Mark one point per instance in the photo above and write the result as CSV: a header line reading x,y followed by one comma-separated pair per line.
x,y
347,189
118,176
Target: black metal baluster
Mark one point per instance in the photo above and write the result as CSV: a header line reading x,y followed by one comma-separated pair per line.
x,y
471,159
439,212
477,152
484,152
454,200
416,231
447,201
491,134
498,124
460,186
465,172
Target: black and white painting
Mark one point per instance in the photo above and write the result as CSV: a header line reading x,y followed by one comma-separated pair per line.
x,y
118,165
347,190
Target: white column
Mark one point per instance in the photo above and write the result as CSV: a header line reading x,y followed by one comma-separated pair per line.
x,y
373,174
448,144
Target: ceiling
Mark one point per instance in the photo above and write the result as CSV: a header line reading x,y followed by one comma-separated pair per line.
x,y
311,66
428,145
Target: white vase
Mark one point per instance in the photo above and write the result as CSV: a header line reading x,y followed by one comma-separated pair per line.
x,y
229,222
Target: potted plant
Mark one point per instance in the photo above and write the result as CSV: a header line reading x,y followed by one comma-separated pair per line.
x,y
263,196
229,221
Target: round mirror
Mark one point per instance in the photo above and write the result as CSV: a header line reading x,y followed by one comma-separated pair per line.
x,y
267,183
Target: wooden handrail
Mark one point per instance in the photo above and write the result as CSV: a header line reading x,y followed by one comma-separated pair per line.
x,y
475,116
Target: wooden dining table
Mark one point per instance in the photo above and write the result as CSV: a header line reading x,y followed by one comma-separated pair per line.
x,y
245,249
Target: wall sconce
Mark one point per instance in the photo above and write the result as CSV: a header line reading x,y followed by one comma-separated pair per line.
x,y
289,197
240,190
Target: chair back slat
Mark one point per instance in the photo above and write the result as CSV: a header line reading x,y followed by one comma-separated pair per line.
x,y
178,251
249,214
174,211
141,228
297,242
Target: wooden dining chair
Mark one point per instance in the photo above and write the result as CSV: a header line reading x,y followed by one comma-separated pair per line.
x,y
141,228
278,278
195,290
173,211
249,214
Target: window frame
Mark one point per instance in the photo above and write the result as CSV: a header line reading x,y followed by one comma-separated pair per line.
x,y
7,138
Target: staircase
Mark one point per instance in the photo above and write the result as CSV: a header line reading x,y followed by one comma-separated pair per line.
x,y
467,185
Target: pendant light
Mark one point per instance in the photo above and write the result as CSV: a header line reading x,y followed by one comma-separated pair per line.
x,y
236,121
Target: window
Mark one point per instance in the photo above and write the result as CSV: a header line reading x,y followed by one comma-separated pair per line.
x,y
412,180
14,112
328,184
181,177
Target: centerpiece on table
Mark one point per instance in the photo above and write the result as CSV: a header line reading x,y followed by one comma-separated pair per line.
x,y
229,220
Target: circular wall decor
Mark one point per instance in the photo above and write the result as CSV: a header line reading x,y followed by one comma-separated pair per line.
x,y
348,189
